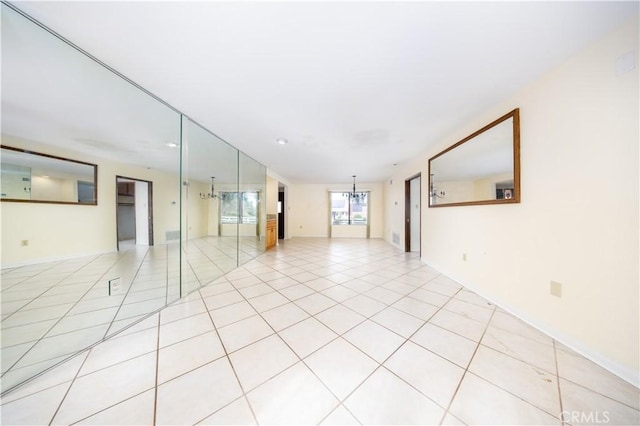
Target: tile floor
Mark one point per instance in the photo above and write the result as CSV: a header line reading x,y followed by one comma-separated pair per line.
x,y
322,331
51,310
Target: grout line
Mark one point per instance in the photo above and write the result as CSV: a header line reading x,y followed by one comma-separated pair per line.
x,y
555,356
155,388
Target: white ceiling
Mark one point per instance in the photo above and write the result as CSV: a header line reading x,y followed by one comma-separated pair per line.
x,y
353,86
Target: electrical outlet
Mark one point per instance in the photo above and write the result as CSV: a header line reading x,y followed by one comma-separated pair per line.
x,y
114,286
24,243
464,257
555,289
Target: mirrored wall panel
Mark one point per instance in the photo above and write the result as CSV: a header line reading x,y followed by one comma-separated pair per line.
x,y
136,228
210,174
251,208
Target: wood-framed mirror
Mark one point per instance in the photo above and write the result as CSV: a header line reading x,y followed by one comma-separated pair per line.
x,y
483,168
33,177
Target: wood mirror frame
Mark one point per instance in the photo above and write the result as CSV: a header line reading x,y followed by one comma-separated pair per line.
x,y
483,168
63,181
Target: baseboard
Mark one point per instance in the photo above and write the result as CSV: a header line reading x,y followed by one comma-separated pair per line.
x,y
625,373
55,259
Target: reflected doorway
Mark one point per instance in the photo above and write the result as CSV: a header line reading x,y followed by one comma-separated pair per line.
x,y
134,212
412,214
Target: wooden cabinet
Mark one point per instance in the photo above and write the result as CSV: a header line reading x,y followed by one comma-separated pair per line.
x,y
272,233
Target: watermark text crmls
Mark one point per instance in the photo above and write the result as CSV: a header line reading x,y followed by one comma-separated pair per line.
x,y
588,417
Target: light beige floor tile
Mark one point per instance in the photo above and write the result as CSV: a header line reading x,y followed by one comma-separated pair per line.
x,y
471,297
268,301
415,307
383,295
435,299
445,343
320,284
508,322
284,316
282,283
469,310
138,410
244,332
580,370
34,409
463,326
398,321
340,416
192,397
364,305
307,336
339,293
451,420
583,406
188,355
120,348
432,375
255,290
360,285
224,299
257,363
232,313
183,329
104,388
340,319
293,397
236,413
182,310
375,340
480,403
315,303
384,399
532,384
297,291
341,366
525,349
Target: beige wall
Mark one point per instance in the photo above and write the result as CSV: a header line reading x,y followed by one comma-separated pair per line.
x,y
578,220
309,208
272,195
57,231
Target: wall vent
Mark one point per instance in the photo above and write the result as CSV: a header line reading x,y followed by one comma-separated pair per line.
x,y
172,235
395,238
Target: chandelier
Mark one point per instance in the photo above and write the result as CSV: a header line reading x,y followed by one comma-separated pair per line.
x,y
357,197
211,194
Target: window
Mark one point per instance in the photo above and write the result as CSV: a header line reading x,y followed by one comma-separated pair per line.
x,y
349,208
239,207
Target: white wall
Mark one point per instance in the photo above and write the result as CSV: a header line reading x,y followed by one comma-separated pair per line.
x,y
578,220
57,231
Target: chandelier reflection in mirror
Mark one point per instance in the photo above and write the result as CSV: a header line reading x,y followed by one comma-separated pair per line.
x,y
434,193
211,194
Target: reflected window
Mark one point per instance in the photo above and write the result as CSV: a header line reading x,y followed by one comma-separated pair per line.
x,y
239,207
348,208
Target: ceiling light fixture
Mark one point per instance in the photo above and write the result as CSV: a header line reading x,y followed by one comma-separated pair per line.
x,y
211,194
282,141
171,144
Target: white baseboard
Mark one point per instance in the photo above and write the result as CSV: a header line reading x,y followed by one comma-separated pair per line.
x,y
627,374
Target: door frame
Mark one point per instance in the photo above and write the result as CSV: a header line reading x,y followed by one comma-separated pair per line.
x,y
149,204
407,212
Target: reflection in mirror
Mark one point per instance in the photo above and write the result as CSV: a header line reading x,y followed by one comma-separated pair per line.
x,y
483,168
67,282
35,177
210,172
250,202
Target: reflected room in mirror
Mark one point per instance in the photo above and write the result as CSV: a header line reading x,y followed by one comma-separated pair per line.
x,y
483,168
27,176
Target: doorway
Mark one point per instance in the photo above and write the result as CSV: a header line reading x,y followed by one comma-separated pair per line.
x,y
134,212
412,214
281,213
